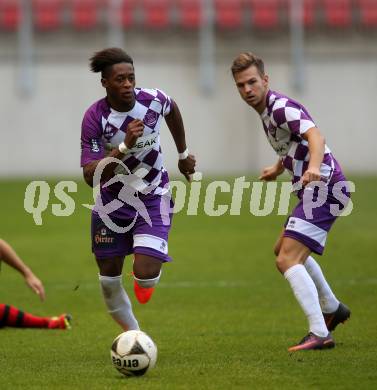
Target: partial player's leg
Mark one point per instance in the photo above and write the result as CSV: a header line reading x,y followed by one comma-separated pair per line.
x,y
334,312
150,246
14,317
116,298
109,249
147,273
290,261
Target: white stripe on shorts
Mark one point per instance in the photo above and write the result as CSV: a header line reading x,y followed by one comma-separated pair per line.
x,y
307,229
148,241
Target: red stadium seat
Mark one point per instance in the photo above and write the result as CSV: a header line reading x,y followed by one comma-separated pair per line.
x,y
10,14
264,13
228,13
156,13
85,14
128,13
308,11
338,13
189,13
368,12
47,14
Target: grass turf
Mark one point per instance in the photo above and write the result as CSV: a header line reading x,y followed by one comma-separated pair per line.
x,y
222,316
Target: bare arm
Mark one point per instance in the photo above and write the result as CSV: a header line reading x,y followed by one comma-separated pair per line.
x,y
175,124
9,256
316,143
134,131
272,172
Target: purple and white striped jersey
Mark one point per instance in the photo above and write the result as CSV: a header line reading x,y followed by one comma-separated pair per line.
x,y
102,126
284,122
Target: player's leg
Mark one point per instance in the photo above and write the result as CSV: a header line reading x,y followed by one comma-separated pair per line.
x,y
312,231
116,299
334,312
150,246
147,273
290,261
109,249
14,317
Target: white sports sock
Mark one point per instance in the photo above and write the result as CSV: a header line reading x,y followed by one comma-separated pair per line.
x,y
117,302
306,294
327,299
146,283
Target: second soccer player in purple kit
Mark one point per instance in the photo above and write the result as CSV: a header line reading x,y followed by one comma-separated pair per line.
x,y
304,154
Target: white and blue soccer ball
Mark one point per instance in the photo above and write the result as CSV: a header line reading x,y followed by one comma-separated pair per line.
x,y
133,353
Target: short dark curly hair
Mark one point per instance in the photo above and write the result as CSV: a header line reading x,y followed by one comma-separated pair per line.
x,y
102,60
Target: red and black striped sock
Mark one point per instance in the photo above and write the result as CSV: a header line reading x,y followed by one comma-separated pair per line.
x,y
11,316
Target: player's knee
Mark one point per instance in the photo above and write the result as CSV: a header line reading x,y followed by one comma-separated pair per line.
x,y
147,280
147,268
283,260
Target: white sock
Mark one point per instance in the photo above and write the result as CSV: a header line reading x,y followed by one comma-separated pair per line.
x,y
306,294
147,283
327,299
117,302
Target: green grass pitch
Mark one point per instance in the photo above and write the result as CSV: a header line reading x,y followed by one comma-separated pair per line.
x,y
222,316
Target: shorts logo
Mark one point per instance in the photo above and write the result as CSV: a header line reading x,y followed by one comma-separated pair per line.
x,y
95,146
291,223
150,118
104,237
163,246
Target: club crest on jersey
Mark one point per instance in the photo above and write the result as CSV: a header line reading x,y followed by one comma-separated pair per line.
x,y
151,118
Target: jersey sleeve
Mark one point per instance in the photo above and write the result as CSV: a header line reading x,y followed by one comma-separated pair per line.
x,y
292,118
92,145
166,102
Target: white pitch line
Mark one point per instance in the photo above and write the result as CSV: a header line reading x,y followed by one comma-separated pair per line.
x,y
201,284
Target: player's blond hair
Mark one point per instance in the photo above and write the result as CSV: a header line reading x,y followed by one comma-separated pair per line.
x,y
244,60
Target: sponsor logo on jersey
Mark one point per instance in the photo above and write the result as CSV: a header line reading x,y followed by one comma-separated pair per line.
x,y
147,142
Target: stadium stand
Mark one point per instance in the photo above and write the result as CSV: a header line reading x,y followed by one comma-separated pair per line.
x,y
264,13
50,15
156,13
10,15
47,14
338,13
228,13
368,13
189,13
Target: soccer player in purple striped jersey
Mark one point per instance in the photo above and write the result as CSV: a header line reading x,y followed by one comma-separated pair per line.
x,y
302,151
127,121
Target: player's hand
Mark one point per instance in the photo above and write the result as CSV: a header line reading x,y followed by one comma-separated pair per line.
x,y
135,130
187,166
310,175
36,285
270,173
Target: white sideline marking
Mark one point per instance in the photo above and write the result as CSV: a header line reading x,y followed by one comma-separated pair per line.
x,y
204,284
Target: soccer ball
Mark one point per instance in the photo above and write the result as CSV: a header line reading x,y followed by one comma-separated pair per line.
x,y
133,353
